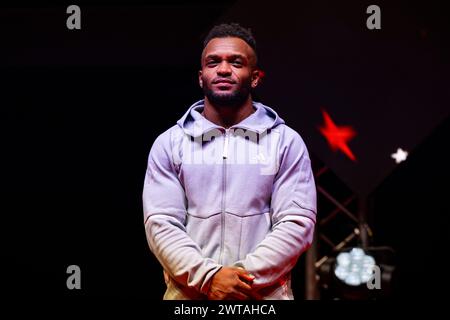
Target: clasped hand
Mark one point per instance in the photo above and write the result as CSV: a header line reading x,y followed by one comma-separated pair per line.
x,y
231,283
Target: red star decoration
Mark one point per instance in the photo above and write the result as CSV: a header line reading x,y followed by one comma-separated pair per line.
x,y
337,136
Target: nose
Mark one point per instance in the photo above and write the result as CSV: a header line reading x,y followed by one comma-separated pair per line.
x,y
224,69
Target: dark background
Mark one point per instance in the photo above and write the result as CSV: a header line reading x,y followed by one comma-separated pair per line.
x,y
80,110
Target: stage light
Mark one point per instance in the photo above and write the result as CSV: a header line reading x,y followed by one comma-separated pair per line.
x,y
355,267
356,274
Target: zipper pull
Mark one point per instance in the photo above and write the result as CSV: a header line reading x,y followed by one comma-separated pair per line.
x,y
225,146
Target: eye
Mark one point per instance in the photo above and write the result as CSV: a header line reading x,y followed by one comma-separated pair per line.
x,y
211,63
237,63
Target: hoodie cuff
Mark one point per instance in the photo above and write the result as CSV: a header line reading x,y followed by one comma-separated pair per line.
x,y
204,289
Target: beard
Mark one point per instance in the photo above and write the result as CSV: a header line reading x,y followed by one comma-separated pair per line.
x,y
233,99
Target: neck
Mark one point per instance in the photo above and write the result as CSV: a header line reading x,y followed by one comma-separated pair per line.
x,y
227,116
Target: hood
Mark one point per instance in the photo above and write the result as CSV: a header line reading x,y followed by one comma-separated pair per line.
x,y
195,124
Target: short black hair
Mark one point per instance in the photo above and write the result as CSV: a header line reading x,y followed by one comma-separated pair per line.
x,y
231,30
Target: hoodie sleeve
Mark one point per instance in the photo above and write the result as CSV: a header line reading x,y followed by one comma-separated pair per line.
x,y
293,208
164,218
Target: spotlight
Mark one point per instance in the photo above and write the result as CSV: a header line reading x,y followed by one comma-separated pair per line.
x,y
355,267
355,274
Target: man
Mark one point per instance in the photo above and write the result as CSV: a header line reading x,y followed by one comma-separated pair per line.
x,y
229,196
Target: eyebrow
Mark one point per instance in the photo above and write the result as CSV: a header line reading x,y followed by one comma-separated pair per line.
x,y
231,57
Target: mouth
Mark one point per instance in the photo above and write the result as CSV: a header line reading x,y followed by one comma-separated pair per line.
x,y
223,81
223,84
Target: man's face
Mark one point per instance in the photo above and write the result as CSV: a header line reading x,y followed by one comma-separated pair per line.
x,y
228,71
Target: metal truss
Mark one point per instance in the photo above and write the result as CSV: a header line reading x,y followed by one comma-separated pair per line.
x,y
341,222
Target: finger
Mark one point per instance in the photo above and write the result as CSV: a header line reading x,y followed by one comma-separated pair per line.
x,y
245,274
241,285
247,277
237,295
216,295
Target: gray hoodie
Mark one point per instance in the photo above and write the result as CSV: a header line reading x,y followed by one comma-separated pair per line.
x,y
243,196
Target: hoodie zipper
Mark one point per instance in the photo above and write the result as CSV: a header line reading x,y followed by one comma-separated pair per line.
x,y
224,181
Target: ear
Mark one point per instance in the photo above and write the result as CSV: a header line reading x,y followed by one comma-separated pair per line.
x,y
200,81
256,78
